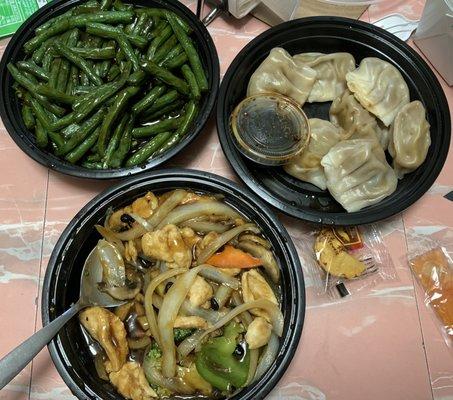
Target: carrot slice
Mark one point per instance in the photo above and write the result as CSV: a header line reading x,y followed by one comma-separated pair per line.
x,y
231,257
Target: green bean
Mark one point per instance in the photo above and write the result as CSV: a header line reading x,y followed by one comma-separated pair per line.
x,y
120,6
161,13
25,82
176,62
87,8
73,81
191,80
148,149
114,111
76,154
158,42
153,115
40,113
148,100
94,157
187,120
55,94
137,78
114,141
169,44
65,67
160,26
156,127
28,117
99,96
78,90
92,165
175,51
95,53
120,37
81,134
56,139
54,70
113,72
46,25
124,146
105,17
60,26
41,135
105,66
77,61
190,50
35,70
166,77
140,25
112,32
70,130
163,101
106,4
47,61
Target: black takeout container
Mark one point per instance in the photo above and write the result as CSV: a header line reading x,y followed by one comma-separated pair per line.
x,y
327,35
69,350
10,106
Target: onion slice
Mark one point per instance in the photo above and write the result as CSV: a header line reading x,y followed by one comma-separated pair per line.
x,y
275,315
254,354
209,315
223,239
113,268
266,257
148,302
166,319
268,357
142,221
214,274
188,344
166,207
135,232
195,210
205,226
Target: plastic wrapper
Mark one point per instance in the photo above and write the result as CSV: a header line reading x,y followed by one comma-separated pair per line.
x,y
434,271
344,260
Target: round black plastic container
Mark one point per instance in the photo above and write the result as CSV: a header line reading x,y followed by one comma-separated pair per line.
x,y
328,35
10,106
69,350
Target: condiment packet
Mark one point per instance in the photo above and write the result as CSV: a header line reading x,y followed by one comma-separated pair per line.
x,y
433,270
344,260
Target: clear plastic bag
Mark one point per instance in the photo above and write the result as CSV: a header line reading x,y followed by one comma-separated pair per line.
x,y
434,272
344,260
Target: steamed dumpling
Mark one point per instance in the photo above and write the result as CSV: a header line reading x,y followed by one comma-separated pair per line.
x,y
307,165
347,113
331,70
358,174
410,138
379,87
278,73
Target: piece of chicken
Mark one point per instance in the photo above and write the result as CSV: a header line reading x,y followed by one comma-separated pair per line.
x,y
258,333
130,381
190,322
200,292
255,287
167,244
108,330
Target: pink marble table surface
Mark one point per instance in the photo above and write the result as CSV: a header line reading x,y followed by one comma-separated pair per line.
x,y
382,344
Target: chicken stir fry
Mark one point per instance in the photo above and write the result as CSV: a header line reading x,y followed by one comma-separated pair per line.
x,y
200,286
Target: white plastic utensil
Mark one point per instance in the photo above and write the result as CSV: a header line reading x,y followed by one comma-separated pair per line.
x,y
398,25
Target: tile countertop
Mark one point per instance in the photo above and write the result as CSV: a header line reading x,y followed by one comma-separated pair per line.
x,y
383,344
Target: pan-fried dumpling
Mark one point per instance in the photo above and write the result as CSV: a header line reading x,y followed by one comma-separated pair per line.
x,y
358,174
410,138
307,165
347,113
331,70
279,73
379,87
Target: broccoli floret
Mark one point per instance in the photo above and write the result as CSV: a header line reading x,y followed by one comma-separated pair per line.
x,y
154,352
179,334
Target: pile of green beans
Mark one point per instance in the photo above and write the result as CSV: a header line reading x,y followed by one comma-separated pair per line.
x,y
109,85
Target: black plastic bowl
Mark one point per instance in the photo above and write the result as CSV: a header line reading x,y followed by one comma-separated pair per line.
x,y
10,106
69,351
327,35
